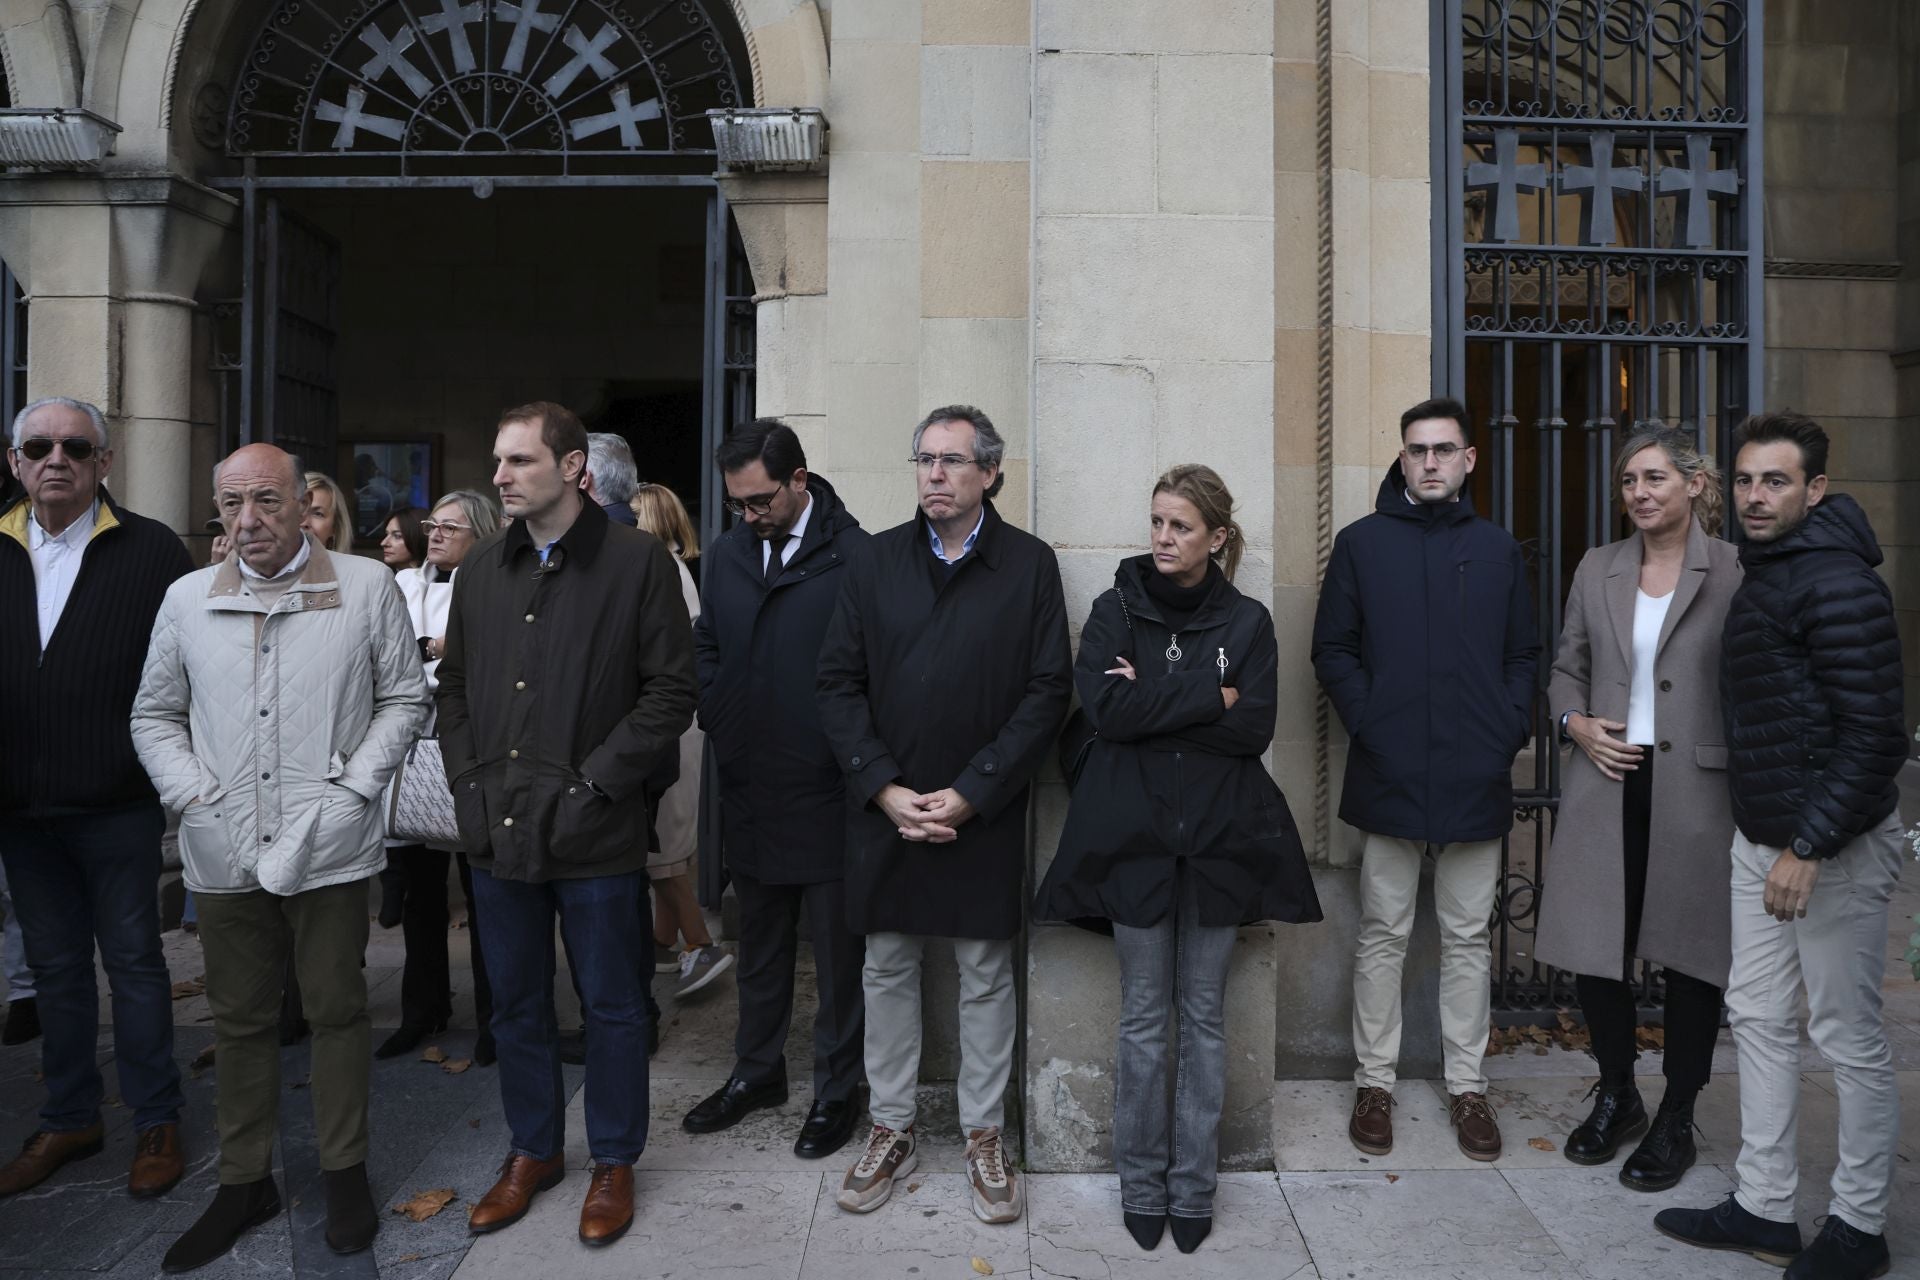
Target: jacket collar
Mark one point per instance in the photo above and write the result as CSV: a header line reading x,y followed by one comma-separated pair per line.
x,y
582,540
1623,584
317,586
1130,579
1392,501
987,546
14,523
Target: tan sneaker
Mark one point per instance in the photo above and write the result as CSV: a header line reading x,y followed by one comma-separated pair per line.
x,y
1475,1126
889,1155
996,1192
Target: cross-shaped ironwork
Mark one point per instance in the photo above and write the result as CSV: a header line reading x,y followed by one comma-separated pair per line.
x,y
390,54
453,19
626,114
525,19
586,54
1695,186
1598,182
1505,178
351,118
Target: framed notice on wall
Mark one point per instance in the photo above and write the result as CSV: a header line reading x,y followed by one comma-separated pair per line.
x,y
385,476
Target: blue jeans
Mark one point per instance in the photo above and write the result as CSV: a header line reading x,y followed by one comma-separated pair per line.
x,y
607,949
1168,1156
77,879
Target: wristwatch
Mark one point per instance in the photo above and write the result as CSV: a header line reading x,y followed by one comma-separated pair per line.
x,y
1801,849
1566,716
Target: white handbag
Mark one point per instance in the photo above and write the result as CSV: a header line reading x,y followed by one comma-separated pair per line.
x,y
420,804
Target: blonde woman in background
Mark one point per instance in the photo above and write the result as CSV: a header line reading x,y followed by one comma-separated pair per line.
x,y
676,912
327,517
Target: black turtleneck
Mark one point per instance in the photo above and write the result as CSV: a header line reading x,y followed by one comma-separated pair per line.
x,y
1178,604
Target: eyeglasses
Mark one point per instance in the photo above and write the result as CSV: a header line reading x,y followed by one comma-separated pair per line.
x,y
77,448
1440,452
760,504
947,461
431,527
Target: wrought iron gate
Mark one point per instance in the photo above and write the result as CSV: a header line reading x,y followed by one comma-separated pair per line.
x,y
290,319
1597,263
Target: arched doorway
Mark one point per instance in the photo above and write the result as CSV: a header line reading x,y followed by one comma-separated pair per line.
x,y
452,205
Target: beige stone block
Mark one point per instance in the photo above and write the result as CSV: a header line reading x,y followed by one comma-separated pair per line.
x,y
1352,110
1401,266
1293,30
815,441
873,98
882,499
891,20
1292,766
1015,499
147,474
1849,384
1296,259
1295,117
1093,134
1085,572
1831,314
1354,490
793,57
1352,249
974,218
1399,34
1296,396
157,357
973,101
1872,449
980,361
1221,415
1296,522
1352,395
1255,575
873,195
1872,84
1880,500
1805,78
1401,136
790,357
978,22
1401,366
871,409
1093,452
73,349
1164,289
1349,30
1192,26
874,301
1214,134
70,251
1810,223
1293,608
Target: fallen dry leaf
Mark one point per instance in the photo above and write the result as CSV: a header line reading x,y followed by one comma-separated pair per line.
x,y
474,1123
426,1204
189,988
1393,1177
455,1066
984,1267
408,1257
1541,1144
433,1053
203,1059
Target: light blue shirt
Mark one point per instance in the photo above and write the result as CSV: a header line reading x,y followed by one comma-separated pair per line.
x,y
939,548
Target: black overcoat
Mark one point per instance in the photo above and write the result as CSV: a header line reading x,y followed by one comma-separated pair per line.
x,y
1426,644
783,810
1173,784
934,679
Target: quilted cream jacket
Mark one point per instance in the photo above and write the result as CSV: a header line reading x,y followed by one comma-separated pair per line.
x,y
275,732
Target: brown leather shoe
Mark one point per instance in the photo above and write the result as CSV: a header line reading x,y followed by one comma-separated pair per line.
x,y
521,1179
157,1165
607,1211
1475,1126
1371,1129
45,1152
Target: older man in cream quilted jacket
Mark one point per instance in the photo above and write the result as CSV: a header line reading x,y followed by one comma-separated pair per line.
x,y
281,688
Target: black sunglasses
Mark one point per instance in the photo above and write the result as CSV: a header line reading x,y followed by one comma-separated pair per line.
x,y
77,448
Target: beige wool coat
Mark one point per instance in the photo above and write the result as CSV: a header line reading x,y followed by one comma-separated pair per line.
x,y
1685,922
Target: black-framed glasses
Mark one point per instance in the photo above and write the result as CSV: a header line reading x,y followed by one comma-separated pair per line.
x,y
77,448
448,527
1441,452
947,461
760,503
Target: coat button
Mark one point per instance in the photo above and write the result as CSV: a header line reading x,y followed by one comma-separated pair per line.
x,y
856,762
263,713
573,791
1666,746
1666,686
519,684
513,755
473,786
529,617
987,767
266,777
506,822
266,839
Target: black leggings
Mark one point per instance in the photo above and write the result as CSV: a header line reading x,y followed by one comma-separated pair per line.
x,y
1693,1006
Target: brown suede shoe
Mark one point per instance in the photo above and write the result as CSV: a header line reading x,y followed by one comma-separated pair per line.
x,y
45,1152
607,1211
1371,1129
1475,1126
157,1165
521,1179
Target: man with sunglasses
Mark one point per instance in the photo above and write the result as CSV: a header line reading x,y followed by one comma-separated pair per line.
x,y
769,591
1426,646
81,579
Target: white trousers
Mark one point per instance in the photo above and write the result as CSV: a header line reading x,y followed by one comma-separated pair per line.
x,y
989,1016
1465,877
1839,953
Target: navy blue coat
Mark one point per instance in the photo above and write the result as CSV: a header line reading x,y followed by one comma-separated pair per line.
x,y
1426,644
783,811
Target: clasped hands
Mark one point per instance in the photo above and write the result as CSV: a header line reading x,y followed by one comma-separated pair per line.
x,y
933,818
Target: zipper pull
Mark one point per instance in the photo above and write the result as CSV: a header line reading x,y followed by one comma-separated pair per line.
x,y
1221,662
1173,649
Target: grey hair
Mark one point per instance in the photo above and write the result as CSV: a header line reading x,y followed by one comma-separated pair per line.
x,y
93,413
481,510
610,459
988,448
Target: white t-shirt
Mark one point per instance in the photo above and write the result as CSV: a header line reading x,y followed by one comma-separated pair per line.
x,y
1649,615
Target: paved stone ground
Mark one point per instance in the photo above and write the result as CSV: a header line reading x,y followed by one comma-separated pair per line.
x,y
741,1205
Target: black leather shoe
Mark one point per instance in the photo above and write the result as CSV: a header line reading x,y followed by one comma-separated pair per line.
x,y
1145,1228
352,1221
1664,1154
573,1047
23,1022
484,1052
1728,1226
1618,1114
235,1209
1189,1232
828,1126
408,1038
732,1103
1840,1252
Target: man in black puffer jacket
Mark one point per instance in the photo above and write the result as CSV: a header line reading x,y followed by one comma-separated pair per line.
x,y
1810,680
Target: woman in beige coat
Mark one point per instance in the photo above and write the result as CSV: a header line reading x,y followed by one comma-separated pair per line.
x,y
1639,865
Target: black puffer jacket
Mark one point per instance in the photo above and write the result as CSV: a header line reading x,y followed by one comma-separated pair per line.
x,y
1810,682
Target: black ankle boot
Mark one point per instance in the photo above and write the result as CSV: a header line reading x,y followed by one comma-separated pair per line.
x,y
1145,1228
351,1218
1618,1114
408,1036
1189,1232
235,1209
1665,1153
